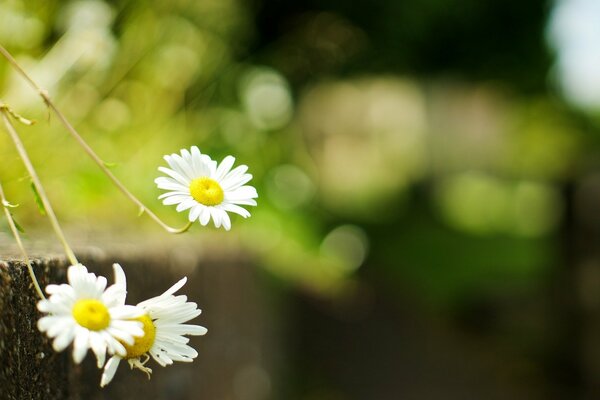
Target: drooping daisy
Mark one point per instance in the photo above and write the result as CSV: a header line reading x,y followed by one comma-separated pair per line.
x,y
164,334
90,315
195,182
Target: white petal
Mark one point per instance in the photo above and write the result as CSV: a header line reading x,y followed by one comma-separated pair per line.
x,y
173,289
80,346
114,345
46,322
120,278
169,184
182,329
224,168
249,202
125,312
75,274
101,283
54,307
63,290
178,176
216,216
64,339
184,167
235,173
212,167
204,216
169,292
234,182
58,325
161,358
174,193
128,328
174,313
167,337
114,296
195,212
226,221
98,347
109,370
174,164
187,157
51,289
198,162
235,209
120,335
195,330
175,199
43,306
242,193
186,204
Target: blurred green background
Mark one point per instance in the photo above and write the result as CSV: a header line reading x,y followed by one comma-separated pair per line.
x,y
428,172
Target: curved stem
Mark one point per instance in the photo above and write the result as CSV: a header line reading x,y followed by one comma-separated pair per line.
x,y
36,182
104,169
90,152
15,232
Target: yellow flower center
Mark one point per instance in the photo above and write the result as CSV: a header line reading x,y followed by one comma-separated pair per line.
x,y
142,344
206,191
91,314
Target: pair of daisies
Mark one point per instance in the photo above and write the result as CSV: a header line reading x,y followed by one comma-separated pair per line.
x,y
91,316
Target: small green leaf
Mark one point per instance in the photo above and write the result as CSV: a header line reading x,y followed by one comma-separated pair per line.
x,y
16,116
141,211
109,164
38,200
21,119
6,204
17,225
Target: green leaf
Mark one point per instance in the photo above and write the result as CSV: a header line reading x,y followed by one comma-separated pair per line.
x,y
17,225
141,211
38,199
16,116
109,164
21,119
7,204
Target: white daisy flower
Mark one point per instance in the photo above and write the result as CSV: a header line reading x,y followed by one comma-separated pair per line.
x,y
90,315
195,182
164,334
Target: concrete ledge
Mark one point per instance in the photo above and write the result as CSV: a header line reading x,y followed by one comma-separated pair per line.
x,y
235,348
29,368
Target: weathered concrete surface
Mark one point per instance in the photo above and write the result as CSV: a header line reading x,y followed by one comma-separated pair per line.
x,y
233,362
29,368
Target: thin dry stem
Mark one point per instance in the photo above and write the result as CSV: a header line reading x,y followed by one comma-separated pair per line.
x,y
36,182
15,232
90,152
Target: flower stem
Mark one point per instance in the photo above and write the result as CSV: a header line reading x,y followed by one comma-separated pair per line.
x,y
36,182
15,232
90,152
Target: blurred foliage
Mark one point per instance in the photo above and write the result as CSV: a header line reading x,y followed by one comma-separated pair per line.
x,y
417,137
470,39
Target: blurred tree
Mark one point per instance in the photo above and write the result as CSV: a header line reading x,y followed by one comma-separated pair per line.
x,y
472,39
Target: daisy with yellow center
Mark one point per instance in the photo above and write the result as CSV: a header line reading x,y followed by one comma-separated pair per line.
x,y
209,191
90,315
164,336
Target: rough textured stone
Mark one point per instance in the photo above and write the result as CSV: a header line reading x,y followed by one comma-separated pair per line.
x,y
29,368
